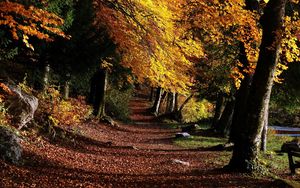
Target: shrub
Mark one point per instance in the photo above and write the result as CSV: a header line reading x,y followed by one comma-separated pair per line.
x,y
197,110
58,111
117,103
4,92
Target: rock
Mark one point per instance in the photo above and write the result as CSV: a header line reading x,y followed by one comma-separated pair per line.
x,y
21,106
177,161
223,147
183,135
109,120
293,145
190,128
10,148
296,120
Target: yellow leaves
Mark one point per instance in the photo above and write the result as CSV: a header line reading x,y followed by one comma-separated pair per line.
x,y
150,41
25,41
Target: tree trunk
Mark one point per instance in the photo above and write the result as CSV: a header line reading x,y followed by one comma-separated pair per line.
x,y
170,102
97,92
151,94
245,153
46,77
66,90
241,96
225,121
242,93
176,102
156,105
263,145
173,100
185,102
101,109
220,106
178,113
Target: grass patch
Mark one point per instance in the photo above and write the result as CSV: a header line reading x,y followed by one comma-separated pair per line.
x,y
199,142
272,160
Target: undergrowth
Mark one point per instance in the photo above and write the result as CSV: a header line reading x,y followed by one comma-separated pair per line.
x,y
57,111
195,110
117,103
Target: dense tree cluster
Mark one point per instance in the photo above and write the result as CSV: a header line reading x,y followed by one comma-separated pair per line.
x,y
219,49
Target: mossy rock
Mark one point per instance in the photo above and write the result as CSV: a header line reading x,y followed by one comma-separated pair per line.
x,y
10,148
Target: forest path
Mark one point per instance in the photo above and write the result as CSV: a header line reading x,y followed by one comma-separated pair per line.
x,y
131,155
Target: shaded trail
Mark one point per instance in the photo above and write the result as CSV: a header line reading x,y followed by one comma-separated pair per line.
x,y
134,155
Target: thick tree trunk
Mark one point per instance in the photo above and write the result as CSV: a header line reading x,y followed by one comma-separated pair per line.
x,y
220,106
97,92
241,97
242,93
245,153
263,145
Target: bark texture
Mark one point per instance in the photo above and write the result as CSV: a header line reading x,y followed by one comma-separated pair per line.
x,y
156,105
220,106
246,149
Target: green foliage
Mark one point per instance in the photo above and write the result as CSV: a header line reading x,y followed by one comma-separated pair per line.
x,y
197,110
286,96
64,9
117,103
6,51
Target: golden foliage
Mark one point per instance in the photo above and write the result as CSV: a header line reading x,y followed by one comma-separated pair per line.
x,y
62,112
150,41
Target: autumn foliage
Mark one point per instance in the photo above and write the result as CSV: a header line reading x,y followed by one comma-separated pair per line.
x,y
24,22
56,111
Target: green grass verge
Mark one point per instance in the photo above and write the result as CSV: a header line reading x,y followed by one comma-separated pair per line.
x,y
271,159
199,142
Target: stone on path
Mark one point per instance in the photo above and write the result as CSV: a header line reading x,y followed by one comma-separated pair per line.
x,y
177,161
183,135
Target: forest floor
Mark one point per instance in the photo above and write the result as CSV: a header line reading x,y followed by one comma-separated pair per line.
x,y
139,154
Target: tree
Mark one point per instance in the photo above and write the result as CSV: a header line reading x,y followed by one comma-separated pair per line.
x,y
246,150
150,42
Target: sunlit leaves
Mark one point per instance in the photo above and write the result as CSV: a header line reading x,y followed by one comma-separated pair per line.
x,y
150,41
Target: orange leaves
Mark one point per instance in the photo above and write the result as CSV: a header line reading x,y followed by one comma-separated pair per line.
x,y
63,112
150,41
29,22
